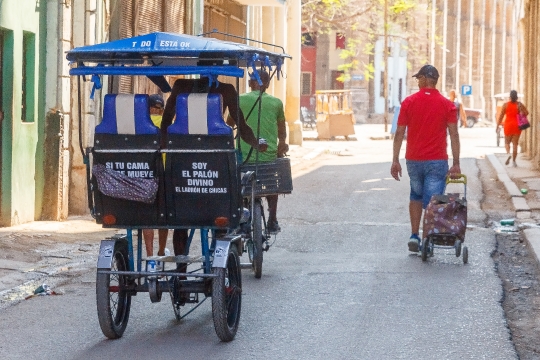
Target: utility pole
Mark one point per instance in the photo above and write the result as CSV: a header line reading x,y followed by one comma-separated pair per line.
x,y
385,59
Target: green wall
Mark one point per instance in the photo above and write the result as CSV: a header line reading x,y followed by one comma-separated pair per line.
x,y
22,24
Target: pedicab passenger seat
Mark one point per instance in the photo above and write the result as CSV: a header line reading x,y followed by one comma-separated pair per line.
x,y
201,173
127,171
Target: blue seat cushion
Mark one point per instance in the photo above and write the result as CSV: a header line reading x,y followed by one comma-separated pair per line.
x,y
126,114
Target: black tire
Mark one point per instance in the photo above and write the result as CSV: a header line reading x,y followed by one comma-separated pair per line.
x,y
113,299
470,121
154,291
257,238
227,297
457,246
465,255
425,249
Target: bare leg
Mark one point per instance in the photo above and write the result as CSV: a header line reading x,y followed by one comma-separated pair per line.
x,y
507,140
515,141
162,236
148,236
415,213
272,207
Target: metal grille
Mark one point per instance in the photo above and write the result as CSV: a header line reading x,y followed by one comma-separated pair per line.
x,y
306,83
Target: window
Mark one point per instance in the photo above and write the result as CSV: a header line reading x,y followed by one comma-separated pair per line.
x,y
306,83
340,41
308,39
1,70
28,77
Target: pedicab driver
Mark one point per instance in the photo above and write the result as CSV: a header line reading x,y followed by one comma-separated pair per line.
x,y
429,116
230,101
272,128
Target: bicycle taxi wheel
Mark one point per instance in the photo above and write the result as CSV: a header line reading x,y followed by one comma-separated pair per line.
x,y
112,298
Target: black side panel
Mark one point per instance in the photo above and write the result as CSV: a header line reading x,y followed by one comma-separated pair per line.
x,y
200,187
131,213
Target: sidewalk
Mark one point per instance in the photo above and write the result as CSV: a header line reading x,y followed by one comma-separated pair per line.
x,y
526,206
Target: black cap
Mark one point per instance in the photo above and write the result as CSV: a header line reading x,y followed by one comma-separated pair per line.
x,y
428,71
156,100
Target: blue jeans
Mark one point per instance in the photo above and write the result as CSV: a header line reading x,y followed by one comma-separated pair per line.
x,y
427,178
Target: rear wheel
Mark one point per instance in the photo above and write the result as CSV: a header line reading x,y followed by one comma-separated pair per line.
x,y
227,297
470,121
257,239
112,297
498,136
465,255
425,249
457,246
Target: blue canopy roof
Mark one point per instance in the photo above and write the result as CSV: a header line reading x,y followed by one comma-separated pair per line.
x,y
162,53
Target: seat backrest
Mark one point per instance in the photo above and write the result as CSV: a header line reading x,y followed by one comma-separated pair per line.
x,y
126,114
199,114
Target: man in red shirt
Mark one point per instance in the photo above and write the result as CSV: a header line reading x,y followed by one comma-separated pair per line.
x,y
427,116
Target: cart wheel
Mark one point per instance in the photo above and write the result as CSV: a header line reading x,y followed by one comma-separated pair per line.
x,y
498,136
257,238
425,249
113,301
457,245
465,255
227,297
470,121
154,291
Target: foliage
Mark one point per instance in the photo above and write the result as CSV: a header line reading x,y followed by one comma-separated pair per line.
x,y
362,23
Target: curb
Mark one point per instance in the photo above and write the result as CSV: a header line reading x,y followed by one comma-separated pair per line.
x,y
523,210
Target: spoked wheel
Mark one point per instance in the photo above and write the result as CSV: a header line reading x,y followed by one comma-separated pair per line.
x,y
465,255
457,246
113,300
257,239
470,121
425,249
227,297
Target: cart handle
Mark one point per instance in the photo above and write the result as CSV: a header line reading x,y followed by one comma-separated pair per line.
x,y
461,179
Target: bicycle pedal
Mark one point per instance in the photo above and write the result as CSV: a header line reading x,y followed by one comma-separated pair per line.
x,y
266,246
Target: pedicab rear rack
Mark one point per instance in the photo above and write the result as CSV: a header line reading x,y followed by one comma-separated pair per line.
x,y
130,188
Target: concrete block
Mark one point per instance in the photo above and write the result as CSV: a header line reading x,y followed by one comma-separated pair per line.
x,y
520,204
512,189
533,185
533,240
523,215
499,168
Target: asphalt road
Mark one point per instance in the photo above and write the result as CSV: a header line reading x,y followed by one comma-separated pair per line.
x,y
338,283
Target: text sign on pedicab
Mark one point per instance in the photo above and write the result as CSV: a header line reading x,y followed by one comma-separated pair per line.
x,y
466,90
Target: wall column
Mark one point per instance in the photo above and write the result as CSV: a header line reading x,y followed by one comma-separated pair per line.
x,y
280,87
470,55
292,107
444,44
482,56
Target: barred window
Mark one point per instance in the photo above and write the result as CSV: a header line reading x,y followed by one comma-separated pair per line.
x,y
306,83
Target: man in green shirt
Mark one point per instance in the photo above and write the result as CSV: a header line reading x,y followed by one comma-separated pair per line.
x,y
272,128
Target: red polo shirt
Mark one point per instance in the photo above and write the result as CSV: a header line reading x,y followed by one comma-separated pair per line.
x,y
426,115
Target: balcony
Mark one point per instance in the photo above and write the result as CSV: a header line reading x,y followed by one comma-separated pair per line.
x,y
263,2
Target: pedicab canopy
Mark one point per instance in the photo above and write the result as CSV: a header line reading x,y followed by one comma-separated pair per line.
x,y
157,54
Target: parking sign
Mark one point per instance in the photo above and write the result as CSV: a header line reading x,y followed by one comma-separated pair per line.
x,y
466,90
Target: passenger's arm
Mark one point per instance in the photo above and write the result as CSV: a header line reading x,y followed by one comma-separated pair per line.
x,y
395,169
454,143
169,112
282,136
501,115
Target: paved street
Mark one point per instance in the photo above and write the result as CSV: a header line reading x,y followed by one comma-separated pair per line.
x,y
338,283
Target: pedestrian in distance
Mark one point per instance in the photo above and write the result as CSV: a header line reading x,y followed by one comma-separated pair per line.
x,y
512,132
272,128
428,117
157,104
461,116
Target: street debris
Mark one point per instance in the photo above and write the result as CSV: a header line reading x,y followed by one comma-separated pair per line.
x,y
42,290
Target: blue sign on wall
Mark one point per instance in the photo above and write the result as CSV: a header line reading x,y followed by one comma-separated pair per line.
x,y
466,90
